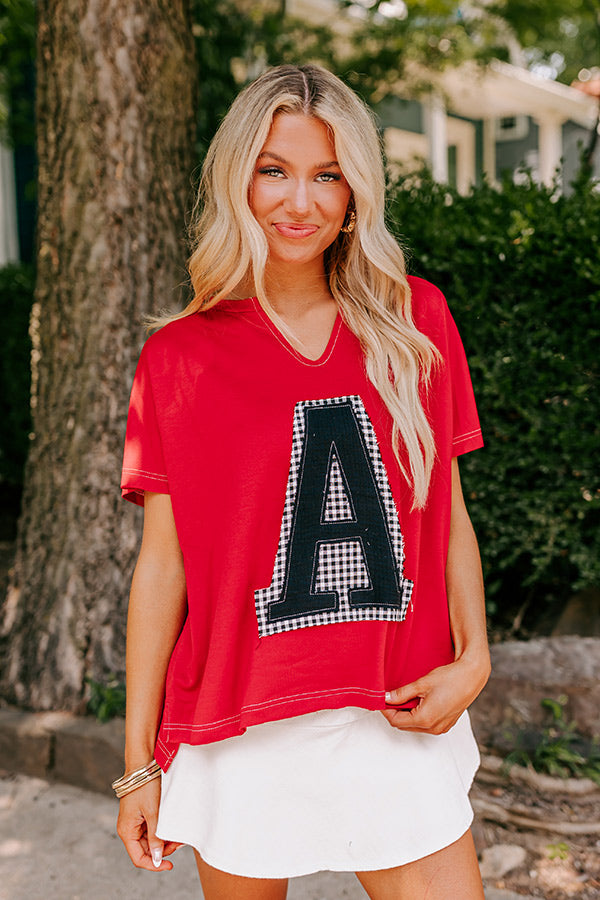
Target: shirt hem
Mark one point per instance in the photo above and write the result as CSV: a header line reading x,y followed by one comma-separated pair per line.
x,y
135,483
174,733
465,443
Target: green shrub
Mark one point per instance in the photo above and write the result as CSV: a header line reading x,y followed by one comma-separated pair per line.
x,y
521,270
106,700
16,297
559,750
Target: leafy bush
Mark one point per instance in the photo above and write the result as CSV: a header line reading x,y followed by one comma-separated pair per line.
x,y
560,750
521,270
107,700
16,297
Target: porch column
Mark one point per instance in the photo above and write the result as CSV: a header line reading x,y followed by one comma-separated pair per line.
x,y
550,147
489,150
437,136
9,241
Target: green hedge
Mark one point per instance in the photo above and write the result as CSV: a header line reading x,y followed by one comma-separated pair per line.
x,y
521,270
16,297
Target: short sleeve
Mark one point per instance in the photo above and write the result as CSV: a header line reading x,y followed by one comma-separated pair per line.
x,y
143,461
466,430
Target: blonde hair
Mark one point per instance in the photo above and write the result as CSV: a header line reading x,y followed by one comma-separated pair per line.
x,y
366,269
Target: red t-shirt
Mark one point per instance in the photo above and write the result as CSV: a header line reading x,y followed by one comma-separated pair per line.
x,y
311,583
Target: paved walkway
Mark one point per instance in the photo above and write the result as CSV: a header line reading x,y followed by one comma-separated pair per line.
x,y
58,842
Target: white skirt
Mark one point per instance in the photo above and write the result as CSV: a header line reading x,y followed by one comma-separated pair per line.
x,y
337,790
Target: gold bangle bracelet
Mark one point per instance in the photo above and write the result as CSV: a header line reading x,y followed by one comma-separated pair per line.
x,y
130,776
122,792
133,780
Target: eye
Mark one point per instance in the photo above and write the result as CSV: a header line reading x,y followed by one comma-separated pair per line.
x,y
328,177
272,171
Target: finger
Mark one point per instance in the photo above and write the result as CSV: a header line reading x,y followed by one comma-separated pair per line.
x,y
404,694
139,855
171,847
401,719
156,847
139,850
148,858
421,720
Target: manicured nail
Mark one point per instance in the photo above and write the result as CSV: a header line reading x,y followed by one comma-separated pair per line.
x,y
388,697
156,857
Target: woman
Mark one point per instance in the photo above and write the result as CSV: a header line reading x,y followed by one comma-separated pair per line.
x,y
308,569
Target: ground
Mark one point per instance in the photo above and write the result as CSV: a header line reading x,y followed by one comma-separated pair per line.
x,y
557,866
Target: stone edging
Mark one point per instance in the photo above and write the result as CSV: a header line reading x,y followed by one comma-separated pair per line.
x,y
62,747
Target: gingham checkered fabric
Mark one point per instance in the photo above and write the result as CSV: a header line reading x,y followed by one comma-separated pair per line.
x,y
341,562
337,506
339,565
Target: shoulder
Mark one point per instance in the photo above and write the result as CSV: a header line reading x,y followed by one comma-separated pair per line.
x,y
171,334
167,344
426,295
429,306
194,333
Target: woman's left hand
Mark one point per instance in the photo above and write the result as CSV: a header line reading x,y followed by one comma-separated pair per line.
x,y
443,695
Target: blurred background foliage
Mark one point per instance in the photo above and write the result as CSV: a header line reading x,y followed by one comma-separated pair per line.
x,y
17,58
520,266
236,40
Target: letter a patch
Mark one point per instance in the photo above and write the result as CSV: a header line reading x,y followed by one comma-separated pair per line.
x,y
341,551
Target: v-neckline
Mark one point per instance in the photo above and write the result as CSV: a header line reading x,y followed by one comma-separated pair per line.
x,y
280,337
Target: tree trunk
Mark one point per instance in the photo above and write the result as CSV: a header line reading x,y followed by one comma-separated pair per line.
x,y
115,107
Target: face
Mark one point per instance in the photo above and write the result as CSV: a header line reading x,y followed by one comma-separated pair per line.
x,y
298,195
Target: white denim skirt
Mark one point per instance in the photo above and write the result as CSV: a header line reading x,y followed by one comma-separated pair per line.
x,y
339,790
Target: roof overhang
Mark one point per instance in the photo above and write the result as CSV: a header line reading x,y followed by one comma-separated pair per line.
x,y
501,89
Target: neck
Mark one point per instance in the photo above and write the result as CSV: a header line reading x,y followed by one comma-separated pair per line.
x,y
291,290
303,307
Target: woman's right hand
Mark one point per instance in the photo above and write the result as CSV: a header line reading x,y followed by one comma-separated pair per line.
x,y
136,826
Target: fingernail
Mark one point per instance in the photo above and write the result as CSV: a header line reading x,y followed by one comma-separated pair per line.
x,y
156,857
388,697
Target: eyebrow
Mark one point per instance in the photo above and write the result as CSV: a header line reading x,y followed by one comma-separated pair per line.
x,y
324,165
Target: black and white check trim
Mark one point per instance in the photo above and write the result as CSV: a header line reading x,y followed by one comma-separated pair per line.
x,y
338,564
337,504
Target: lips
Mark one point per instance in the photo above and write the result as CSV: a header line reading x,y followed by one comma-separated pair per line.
x,y
292,230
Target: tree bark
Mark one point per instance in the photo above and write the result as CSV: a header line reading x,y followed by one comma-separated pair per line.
x,y
115,108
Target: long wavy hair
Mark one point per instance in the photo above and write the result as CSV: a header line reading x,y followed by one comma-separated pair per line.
x,y
366,269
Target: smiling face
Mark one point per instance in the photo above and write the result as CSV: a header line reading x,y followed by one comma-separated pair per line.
x,y
298,195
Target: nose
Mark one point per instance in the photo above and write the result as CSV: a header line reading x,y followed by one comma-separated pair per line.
x,y
299,197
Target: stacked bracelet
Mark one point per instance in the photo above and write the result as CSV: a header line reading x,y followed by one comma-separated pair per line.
x,y
130,782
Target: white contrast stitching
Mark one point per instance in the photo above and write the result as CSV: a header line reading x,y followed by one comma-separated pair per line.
x,y
127,471
267,704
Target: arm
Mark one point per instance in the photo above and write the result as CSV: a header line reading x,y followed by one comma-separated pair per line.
x,y
445,692
157,609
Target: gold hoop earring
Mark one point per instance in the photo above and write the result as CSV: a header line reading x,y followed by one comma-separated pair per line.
x,y
349,222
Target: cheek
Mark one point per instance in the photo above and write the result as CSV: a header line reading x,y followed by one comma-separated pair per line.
x,y
252,197
342,200
256,195
338,211
261,200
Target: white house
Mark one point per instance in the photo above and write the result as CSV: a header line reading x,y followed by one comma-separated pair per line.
x,y
478,122
484,121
